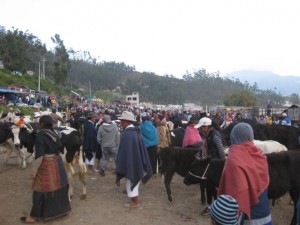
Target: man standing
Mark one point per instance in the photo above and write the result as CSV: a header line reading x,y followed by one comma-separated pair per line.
x,y
90,144
108,137
56,118
132,160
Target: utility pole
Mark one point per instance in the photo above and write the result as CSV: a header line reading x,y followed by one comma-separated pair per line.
x,y
43,64
90,89
39,85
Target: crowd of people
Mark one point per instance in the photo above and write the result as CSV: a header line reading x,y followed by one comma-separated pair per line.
x,y
133,138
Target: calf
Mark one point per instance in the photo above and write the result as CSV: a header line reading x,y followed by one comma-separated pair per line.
x,y
175,160
71,140
283,172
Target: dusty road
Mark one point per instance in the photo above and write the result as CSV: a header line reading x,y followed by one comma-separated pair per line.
x,y
105,202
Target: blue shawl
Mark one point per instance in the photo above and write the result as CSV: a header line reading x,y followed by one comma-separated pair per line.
x,y
132,159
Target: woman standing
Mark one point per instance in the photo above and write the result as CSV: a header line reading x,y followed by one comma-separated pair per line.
x,y
246,178
50,183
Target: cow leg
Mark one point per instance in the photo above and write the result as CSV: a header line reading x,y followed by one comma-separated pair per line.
x,y
294,197
71,185
82,174
22,157
168,178
9,149
82,178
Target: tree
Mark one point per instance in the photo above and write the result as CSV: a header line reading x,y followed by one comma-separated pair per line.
x,y
242,98
62,62
294,98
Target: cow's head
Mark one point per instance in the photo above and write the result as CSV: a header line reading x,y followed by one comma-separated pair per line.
x,y
27,136
15,130
197,171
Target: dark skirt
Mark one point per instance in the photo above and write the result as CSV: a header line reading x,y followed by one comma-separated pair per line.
x,y
47,205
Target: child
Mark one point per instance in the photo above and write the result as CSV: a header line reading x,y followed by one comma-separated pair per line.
x,y
224,211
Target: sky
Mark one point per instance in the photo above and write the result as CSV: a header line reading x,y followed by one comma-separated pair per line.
x,y
169,36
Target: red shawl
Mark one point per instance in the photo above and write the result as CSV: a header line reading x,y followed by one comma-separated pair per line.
x,y
245,175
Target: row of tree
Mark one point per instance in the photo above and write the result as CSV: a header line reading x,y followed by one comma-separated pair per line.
x,y
22,51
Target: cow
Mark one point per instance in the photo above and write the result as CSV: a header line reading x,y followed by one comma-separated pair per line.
x,y
283,172
177,136
71,152
9,140
267,146
175,160
286,135
178,160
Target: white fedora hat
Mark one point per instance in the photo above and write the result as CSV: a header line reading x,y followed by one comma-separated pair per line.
x,y
127,116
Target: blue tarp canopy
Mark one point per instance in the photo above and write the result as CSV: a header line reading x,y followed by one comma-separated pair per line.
x,y
8,91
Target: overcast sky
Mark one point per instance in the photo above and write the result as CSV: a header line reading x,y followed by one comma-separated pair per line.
x,y
170,36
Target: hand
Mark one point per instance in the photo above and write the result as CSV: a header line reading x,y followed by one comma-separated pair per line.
x,y
33,175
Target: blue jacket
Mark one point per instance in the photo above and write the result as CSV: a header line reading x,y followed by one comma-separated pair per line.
x,y
149,133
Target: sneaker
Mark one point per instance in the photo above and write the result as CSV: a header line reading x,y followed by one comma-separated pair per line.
x,y
206,211
102,172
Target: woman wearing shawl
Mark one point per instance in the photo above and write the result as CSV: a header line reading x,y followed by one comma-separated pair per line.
x,y
50,183
192,138
245,177
150,137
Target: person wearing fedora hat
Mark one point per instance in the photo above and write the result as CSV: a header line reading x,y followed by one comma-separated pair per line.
x,y
91,146
192,138
133,162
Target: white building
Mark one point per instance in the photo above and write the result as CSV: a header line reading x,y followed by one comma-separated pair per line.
x,y
134,98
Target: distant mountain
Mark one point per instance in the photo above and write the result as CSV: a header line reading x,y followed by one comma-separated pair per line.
x,y
286,85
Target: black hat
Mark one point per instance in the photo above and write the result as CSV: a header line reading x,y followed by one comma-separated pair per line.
x,y
91,115
194,120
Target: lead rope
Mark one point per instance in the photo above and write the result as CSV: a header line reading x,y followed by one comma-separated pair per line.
x,y
203,176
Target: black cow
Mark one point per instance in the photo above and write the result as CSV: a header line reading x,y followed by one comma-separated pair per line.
x,y
5,132
175,160
177,136
283,171
286,135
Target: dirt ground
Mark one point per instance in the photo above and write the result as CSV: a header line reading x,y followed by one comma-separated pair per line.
x,y
105,201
